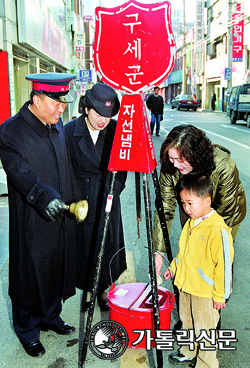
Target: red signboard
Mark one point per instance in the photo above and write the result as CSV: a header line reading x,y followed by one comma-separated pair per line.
x,y
238,34
134,47
79,48
5,93
133,148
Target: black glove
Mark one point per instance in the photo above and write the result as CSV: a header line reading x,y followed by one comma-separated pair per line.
x,y
55,210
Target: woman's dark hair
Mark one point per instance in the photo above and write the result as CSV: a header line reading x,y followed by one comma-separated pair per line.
x,y
200,185
84,104
81,105
192,145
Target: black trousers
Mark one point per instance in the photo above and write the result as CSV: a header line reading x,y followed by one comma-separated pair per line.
x,y
28,324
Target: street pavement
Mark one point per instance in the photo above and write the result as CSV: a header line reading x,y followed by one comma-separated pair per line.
x,y
64,351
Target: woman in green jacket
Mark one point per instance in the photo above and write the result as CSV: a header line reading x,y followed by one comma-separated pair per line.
x,y
187,149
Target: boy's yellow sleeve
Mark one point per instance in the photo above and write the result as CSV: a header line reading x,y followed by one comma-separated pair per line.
x,y
172,266
223,255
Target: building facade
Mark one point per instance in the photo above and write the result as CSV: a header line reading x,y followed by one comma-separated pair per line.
x,y
41,36
208,58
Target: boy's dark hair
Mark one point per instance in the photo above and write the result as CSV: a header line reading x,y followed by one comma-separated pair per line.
x,y
200,185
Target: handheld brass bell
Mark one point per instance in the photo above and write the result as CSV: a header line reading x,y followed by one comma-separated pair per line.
x,y
79,209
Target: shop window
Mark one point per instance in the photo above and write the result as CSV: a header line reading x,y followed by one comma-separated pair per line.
x,y
210,14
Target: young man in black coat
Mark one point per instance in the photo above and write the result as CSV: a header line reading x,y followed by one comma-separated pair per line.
x,y
156,105
41,235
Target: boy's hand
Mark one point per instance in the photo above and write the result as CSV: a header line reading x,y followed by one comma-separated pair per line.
x,y
167,274
158,263
219,305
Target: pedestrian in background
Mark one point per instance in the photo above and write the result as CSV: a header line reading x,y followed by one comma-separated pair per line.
x,y
202,270
41,235
213,100
187,149
90,138
155,104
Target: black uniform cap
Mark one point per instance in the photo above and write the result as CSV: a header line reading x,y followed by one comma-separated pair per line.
x,y
103,99
53,85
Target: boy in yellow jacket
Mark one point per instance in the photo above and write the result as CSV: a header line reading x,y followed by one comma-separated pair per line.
x,y
202,269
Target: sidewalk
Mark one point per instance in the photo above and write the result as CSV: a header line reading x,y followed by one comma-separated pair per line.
x,y
215,111
64,351
61,351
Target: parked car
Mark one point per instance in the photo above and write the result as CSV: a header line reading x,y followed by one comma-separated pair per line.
x,y
184,102
238,105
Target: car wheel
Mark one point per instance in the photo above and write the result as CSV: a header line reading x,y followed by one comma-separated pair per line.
x,y
187,109
233,117
195,108
172,107
248,121
178,107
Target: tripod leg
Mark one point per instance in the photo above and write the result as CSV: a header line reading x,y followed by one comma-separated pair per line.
x,y
138,195
160,211
98,270
152,264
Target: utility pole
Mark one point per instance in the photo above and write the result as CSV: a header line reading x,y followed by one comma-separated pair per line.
x,y
184,76
230,42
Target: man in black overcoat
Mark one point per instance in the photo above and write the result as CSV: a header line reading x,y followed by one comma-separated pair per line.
x,y
156,105
41,234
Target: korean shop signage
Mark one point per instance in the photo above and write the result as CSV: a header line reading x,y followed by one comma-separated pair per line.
x,y
238,34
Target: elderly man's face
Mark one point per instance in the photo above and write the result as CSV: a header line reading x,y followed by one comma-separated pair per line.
x,y
48,110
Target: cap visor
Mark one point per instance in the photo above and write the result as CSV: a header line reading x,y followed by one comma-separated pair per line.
x,y
63,98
